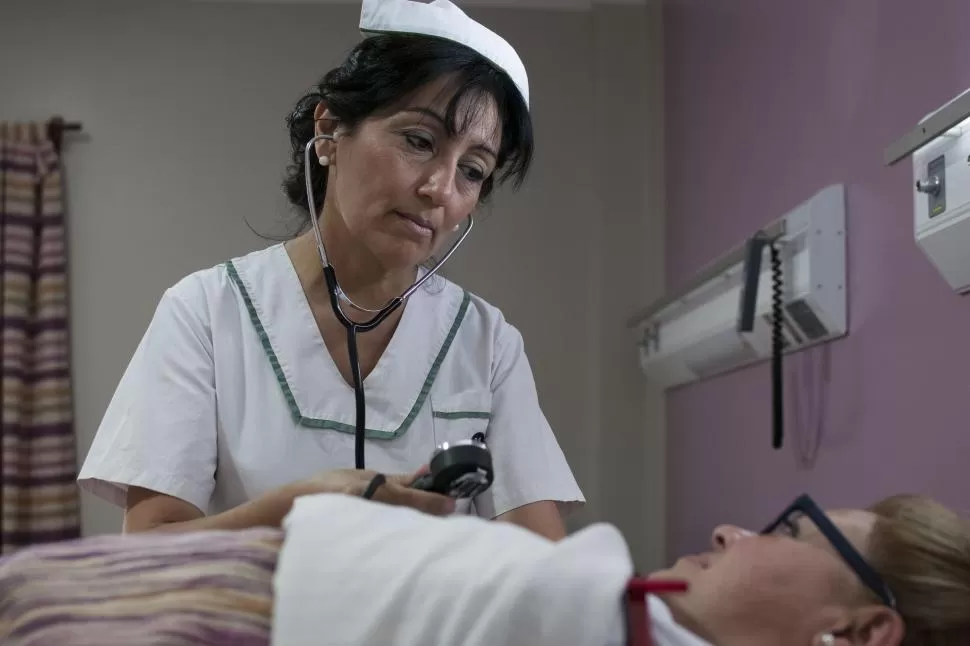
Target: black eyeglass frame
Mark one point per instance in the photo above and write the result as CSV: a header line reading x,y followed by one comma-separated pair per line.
x,y
866,573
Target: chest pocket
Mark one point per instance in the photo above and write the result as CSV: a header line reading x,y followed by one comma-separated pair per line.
x,y
460,416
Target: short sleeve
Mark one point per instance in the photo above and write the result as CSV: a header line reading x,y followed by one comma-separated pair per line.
x,y
159,430
529,463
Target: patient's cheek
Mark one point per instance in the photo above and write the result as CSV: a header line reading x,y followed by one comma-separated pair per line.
x,y
783,583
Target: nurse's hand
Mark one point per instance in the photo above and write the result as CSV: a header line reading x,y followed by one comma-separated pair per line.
x,y
395,491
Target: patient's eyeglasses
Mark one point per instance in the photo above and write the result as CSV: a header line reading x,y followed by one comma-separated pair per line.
x,y
805,506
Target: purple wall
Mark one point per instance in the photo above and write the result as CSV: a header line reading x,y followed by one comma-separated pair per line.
x,y
766,102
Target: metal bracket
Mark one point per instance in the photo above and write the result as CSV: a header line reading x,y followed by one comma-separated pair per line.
x,y
651,338
951,114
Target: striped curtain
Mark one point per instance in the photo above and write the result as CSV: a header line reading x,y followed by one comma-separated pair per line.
x,y
39,499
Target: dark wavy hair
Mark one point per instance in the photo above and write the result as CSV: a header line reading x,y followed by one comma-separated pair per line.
x,y
380,72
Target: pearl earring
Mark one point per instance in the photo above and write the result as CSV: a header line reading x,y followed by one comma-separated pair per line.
x,y
324,160
828,640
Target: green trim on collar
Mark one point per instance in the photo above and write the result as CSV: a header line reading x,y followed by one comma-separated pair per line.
x,y
332,425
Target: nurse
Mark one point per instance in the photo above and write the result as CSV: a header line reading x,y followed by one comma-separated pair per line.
x,y
239,396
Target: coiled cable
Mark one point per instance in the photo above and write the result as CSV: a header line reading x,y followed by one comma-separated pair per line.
x,y
777,346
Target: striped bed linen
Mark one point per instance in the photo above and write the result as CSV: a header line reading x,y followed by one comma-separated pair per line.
x,y
198,589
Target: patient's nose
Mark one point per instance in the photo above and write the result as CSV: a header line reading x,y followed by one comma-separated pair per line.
x,y
725,535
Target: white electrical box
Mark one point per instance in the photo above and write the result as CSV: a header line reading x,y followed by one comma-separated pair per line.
x,y
941,177
693,333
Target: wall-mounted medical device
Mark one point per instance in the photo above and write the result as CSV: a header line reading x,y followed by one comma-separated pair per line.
x,y
940,149
782,290
721,319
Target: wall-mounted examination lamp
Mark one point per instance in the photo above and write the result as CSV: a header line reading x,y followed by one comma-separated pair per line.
x,y
781,290
939,146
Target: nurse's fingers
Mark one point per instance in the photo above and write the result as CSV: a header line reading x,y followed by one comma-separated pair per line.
x,y
407,479
397,493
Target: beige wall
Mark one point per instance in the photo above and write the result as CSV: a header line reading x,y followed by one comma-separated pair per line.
x,y
628,77
183,106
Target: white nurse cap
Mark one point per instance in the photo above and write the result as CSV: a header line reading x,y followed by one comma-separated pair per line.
x,y
445,20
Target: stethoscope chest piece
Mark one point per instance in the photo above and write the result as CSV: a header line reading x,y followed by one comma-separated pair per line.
x,y
459,470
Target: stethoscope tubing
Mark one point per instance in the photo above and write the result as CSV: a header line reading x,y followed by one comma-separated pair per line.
x,y
336,294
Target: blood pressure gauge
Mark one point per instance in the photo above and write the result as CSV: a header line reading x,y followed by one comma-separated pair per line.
x,y
461,469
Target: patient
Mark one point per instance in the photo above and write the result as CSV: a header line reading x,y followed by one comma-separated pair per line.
x,y
897,574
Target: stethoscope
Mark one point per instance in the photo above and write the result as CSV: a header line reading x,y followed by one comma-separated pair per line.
x,y
379,315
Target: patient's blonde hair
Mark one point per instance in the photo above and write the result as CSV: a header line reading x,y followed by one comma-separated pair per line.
x,y
922,549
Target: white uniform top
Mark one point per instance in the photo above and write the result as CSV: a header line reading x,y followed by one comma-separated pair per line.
x,y
232,393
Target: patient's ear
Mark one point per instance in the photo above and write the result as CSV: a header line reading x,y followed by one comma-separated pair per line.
x,y
873,626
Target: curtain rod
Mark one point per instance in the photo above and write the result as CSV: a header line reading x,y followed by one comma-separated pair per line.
x,y
56,128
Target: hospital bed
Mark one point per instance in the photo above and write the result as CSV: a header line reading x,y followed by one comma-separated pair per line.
x,y
444,581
